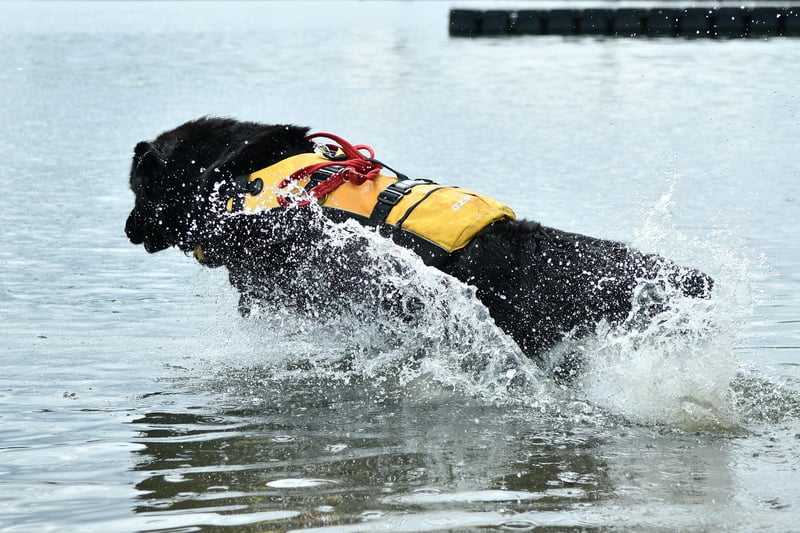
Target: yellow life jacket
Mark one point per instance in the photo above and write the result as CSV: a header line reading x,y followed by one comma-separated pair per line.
x,y
446,217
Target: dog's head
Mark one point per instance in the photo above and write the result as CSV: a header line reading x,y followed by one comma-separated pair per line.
x,y
176,178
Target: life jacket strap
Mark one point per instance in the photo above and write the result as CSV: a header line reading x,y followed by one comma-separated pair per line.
x,y
390,197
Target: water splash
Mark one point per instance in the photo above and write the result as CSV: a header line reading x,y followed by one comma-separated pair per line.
x,y
762,400
679,369
442,340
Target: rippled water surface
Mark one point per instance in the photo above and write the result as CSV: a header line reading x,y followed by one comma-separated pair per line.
x,y
133,397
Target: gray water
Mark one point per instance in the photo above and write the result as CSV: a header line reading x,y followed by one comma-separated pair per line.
x,y
133,397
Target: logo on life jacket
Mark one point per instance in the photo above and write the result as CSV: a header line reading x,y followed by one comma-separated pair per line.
x,y
432,219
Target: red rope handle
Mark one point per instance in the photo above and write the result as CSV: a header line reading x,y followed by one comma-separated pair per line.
x,y
357,168
351,151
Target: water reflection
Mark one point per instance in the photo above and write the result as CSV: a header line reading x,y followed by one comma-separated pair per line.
x,y
299,455
334,456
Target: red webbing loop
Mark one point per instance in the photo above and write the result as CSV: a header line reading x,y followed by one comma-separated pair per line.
x,y
356,169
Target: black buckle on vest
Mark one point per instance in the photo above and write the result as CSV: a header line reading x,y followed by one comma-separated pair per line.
x,y
394,193
390,197
321,175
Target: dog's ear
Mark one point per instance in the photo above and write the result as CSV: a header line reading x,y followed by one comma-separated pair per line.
x,y
147,162
141,148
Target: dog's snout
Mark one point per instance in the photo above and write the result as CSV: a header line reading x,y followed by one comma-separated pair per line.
x,y
154,246
136,228
133,229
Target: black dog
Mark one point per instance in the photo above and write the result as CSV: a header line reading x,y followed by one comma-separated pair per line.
x,y
539,284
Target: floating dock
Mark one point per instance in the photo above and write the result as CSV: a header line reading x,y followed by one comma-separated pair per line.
x,y
690,22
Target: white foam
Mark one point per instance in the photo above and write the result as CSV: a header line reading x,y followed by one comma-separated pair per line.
x,y
679,368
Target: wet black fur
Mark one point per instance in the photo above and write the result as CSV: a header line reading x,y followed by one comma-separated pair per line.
x,y
538,283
